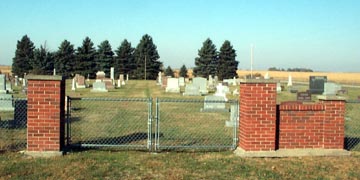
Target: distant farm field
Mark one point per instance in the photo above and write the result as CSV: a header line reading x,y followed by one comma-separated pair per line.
x,y
340,77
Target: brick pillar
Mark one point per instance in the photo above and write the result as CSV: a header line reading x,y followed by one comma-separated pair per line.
x,y
257,127
45,115
334,124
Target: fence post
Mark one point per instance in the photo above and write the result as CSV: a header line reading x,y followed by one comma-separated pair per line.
x,y
257,126
46,115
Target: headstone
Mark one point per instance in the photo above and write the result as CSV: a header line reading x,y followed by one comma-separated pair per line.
x,y
9,87
187,80
289,81
6,102
112,73
172,85
211,85
118,83
73,84
24,83
54,72
2,83
278,87
164,81
214,103
122,80
316,84
201,83
80,81
234,117
235,92
108,83
221,91
181,81
100,75
127,77
331,88
16,80
303,96
99,87
231,82
191,90
20,113
216,79
159,80
267,76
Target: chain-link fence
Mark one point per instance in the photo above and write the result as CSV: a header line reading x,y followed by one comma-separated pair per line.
x,y
352,125
109,122
13,122
196,124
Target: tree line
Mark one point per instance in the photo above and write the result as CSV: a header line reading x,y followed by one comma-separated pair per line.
x,y
141,62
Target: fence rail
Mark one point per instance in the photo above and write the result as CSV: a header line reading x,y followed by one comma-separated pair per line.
x,y
352,125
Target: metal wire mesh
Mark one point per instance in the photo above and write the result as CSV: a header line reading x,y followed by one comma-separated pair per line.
x,y
352,125
188,124
13,121
109,122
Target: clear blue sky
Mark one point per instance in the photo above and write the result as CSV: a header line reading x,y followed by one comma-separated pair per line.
x,y
323,35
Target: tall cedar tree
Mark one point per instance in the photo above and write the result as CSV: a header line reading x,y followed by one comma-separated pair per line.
x,y
64,59
104,58
169,72
207,62
125,61
146,53
85,59
183,71
43,62
227,63
23,55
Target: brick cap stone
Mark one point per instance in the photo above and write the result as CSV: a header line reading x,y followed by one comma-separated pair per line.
x,y
292,153
43,154
331,98
44,77
263,81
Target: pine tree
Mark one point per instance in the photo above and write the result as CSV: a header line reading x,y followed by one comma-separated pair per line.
x,y
147,59
23,55
43,62
169,72
227,63
104,59
207,62
64,59
125,61
183,71
85,59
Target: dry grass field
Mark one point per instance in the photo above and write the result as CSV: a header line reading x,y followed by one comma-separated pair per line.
x,y
339,77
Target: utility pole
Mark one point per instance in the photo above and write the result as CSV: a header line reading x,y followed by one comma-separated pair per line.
x,y
145,67
252,60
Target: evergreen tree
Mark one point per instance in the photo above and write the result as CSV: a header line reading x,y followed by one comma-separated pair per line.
x,y
169,72
207,62
64,59
104,59
43,62
23,55
125,61
227,63
147,59
183,71
85,59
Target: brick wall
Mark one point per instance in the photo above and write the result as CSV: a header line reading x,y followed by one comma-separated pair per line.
x,y
315,125
257,116
45,114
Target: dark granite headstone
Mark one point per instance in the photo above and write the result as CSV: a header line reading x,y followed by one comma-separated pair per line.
x,y
304,96
316,84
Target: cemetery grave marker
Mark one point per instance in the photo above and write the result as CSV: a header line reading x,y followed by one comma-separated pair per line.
x,y
303,96
99,87
172,85
316,84
214,103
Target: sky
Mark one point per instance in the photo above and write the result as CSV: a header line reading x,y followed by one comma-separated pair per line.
x,y
323,35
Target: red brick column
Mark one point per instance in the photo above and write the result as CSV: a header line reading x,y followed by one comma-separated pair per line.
x,y
257,127
334,123
45,114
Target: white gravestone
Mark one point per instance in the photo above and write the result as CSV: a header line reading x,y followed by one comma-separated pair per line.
x,y
191,90
221,91
267,76
73,84
181,81
99,87
6,102
234,117
214,103
278,87
112,73
172,85
2,83
122,80
289,81
202,84
331,88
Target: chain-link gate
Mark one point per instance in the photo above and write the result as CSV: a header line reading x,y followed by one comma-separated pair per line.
x,y
13,123
196,124
110,122
352,125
